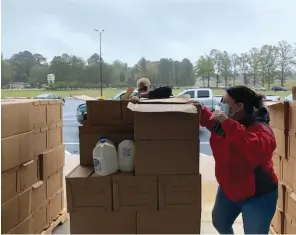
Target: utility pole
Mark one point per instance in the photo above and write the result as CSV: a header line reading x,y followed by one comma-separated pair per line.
x,y
101,61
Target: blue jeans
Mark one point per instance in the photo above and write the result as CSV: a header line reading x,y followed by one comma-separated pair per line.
x,y
257,213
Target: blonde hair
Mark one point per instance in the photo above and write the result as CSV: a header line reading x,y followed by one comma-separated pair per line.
x,y
143,82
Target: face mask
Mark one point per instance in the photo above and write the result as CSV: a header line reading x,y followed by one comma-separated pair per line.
x,y
225,108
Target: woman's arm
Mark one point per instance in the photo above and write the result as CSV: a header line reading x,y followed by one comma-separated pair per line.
x,y
257,142
205,119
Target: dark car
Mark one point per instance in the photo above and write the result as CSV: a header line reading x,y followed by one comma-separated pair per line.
x,y
49,97
278,88
81,113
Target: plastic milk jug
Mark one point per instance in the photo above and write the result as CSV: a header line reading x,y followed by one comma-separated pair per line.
x,y
105,158
126,152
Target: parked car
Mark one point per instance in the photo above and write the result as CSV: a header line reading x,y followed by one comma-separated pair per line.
x,y
49,97
259,88
272,98
278,88
203,95
81,112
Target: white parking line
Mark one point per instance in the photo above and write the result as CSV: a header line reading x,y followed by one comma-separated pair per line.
x,y
205,142
205,155
67,152
67,114
70,119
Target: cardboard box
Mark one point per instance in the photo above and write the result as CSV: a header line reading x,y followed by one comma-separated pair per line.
x,y
51,162
294,92
179,192
38,195
280,114
15,118
39,114
28,175
168,222
281,138
281,197
134,192
126,114
93,221
54,183
40,218
55,136
89,137
290,225
46,112
15,150
277,165
289,173
9,183
174,121
175,157
292,144
278,222
54,112
26,227
291,204
39,141
101,112
56,205
86,189
16,211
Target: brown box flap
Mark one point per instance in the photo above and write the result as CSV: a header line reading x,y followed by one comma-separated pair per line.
x,y
26,227
86,189
40,218
38,195
28,175
16,150
134,192
292,144
54,183
160,108
15,117
9,183
56,205
52,161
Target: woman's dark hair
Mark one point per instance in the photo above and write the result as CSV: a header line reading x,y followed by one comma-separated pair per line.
x,y
253,102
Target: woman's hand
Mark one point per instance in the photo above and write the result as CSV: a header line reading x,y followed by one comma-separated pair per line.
x,y
196,104
219,116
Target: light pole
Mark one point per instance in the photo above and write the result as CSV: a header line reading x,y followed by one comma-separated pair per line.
x,y
101,62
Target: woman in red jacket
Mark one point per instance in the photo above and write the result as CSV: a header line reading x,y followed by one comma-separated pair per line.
x,y
242,143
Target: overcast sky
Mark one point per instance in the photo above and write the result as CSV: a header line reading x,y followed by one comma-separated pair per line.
x,y
144,28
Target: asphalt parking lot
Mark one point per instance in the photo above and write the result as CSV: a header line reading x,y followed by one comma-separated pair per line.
x,y
70,129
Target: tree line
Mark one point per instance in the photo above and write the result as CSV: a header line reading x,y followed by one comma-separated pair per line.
x,y
260,66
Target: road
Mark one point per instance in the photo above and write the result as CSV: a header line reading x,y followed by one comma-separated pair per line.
x,y
70,130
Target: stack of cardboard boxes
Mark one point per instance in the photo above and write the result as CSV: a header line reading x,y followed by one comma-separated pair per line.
x,y
32,160
283,123
162,195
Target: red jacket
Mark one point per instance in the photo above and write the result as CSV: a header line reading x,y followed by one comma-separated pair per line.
x,y
243,157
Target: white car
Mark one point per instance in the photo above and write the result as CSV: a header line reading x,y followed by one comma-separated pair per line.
x,y
272,98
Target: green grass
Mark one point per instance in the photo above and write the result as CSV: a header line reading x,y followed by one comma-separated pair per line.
x,y
108,92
